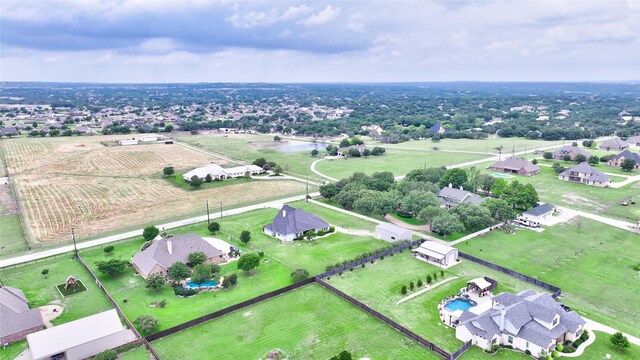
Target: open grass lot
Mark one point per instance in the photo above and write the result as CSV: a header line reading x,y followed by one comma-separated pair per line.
x,y
12,239
378,285
268,277
592,266
399,162
248,147
41,290
139,353
578,196
307,323
13,350
484,145
602,346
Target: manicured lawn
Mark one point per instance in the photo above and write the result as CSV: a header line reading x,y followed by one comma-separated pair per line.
x,y
139,353
308,323
178,181
71,290
410,221
12,239
334,217
42,291
13,350
592,266
379,286
482,145
399,162
602,346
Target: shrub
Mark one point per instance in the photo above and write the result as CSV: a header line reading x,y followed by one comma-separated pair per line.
x,y
215,268
559,347
299,275
197,258
548,357
527,352
146,245
178,290
577,343
226,283
332,229
554,354
106,355
403,290
150,232
419,283
261,254
108,249
321,232
233,278
404,214
213,227
112,267
584,336
411,286
146,323
201,273
44,272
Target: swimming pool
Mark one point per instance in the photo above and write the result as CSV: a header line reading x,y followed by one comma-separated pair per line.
x,y
459,304
503,176
190,285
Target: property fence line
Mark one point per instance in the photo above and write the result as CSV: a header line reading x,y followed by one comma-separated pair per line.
x,y
117,307
461,350
227,310
357,263
28,236
556,290
35,261
410,334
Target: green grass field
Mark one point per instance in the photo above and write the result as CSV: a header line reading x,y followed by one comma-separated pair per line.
x,y
13,350
308,323
602,346
178,181
378,285
12,239
399,162
482,145
41,290
139,353
592,266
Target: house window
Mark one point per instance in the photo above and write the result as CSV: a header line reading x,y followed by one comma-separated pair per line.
x,y
555,321
510,339
527,345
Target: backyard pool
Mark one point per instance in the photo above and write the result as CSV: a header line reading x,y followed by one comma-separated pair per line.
x,y
503,176
302,147
190,285
459,304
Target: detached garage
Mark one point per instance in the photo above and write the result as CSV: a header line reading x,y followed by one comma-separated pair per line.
x,y
437,253
392,233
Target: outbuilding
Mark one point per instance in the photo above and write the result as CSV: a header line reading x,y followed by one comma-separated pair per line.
x,y
534,216
392,233
437,253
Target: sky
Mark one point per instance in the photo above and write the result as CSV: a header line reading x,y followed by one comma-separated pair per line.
x,y
139,41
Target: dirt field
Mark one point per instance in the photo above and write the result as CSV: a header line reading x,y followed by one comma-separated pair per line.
x,y
79,182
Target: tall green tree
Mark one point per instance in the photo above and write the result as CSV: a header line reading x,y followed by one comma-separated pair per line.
x,y
499,209
154,281
429,213
447,224
168,171
201,274
248,261
474,217
456,177
178,271
619,341
418,200
197,258
628,164
150,232
112,267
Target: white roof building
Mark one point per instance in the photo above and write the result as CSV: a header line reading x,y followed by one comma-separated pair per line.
x,y
435,252
392,233
217,172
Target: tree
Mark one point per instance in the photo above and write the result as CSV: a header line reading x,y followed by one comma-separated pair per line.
x,y
310,234
168,171
249,261
215,268
473,179
314,152
277,170
344,143
499,209
150,232
419,283
619,341
593,160
404,290
566,158
377,151
456,177
547,155
446,224
112,267
277,138
474,217
260,162
628,164
557,168
411,286
213,227
328,191
108,249
534,161
580,158
366,152
429,213
499,187
486,182
197,258
44,272
146,323
429,279
245,236
415,201
299,274
344,355
178,271
195,182
208,178
201,274
154,281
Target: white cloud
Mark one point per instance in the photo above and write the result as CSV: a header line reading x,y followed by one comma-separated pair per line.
x,y
325,15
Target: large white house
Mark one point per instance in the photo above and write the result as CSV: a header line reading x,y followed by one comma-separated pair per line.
x,y
527,321
291,223
217,172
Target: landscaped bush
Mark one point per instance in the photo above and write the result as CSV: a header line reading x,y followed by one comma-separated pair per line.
x,y
554,354
527,352
146,245
559,347
106,355
321,232
178,290
584,336
493,349
331,229
404,214
577,343
568,349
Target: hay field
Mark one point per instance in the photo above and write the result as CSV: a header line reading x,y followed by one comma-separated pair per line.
x,y
79,182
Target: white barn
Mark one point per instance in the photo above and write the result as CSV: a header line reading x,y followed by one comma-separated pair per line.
x,y
437,253
217,172
392,233
79,339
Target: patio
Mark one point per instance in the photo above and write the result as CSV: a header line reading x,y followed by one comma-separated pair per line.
x,y
477,293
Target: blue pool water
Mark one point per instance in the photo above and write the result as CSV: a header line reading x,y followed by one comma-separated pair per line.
x,y
504,176
459,304
210,283
302,147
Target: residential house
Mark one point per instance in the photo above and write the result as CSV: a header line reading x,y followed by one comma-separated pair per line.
x,y
583,173
16,319
613,144
450,197
438,129
437,253
572,151
291,223
518,166
79,339
9,131
634,140
392,233
217,172
163,253
617,160
534,216
344,151
527,321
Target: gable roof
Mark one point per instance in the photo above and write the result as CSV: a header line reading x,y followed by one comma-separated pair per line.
x,y
540,210
613,143
15,315
165,252
451,196
434,249
395,229
516,164
634,140
627,155
590,173
291,221
568,149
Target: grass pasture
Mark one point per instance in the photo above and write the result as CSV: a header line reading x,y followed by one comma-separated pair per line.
x,y
592,266
12,239
480,145
307,323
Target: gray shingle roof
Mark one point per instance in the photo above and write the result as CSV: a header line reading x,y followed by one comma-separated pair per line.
x,y
590,173
540,210
516,164
568,149
292,221
181,247
15,315
613,143
628,155
452,196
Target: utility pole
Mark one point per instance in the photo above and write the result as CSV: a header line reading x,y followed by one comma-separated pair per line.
x,y
207,212
220,210
307,197
75,248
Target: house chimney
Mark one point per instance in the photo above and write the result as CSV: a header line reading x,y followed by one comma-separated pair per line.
x,y
461,187
450,185
284,213
503,313
169,248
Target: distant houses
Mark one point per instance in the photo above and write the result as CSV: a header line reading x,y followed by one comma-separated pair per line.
x,y
450,197
613,144
616,161
585,174
17,320
519,166
438,129
163,253
634,140
291,223
217,172
346,151
571,151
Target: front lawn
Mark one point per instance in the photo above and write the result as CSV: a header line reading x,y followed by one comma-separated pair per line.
x,y
307,323
602,346
411,221
13,350
591,262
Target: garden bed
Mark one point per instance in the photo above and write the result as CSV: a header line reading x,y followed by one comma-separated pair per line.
x,y
72,291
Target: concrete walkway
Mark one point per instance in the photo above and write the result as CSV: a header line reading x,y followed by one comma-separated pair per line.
x,y
477,233
624,225
594,325
427,288
129,234
313,168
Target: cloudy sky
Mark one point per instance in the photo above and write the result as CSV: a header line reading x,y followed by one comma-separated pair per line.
x,y
318,41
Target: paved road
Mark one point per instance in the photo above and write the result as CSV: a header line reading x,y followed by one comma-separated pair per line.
x,y
129,234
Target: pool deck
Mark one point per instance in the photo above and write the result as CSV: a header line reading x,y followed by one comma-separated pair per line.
x,y
483,303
